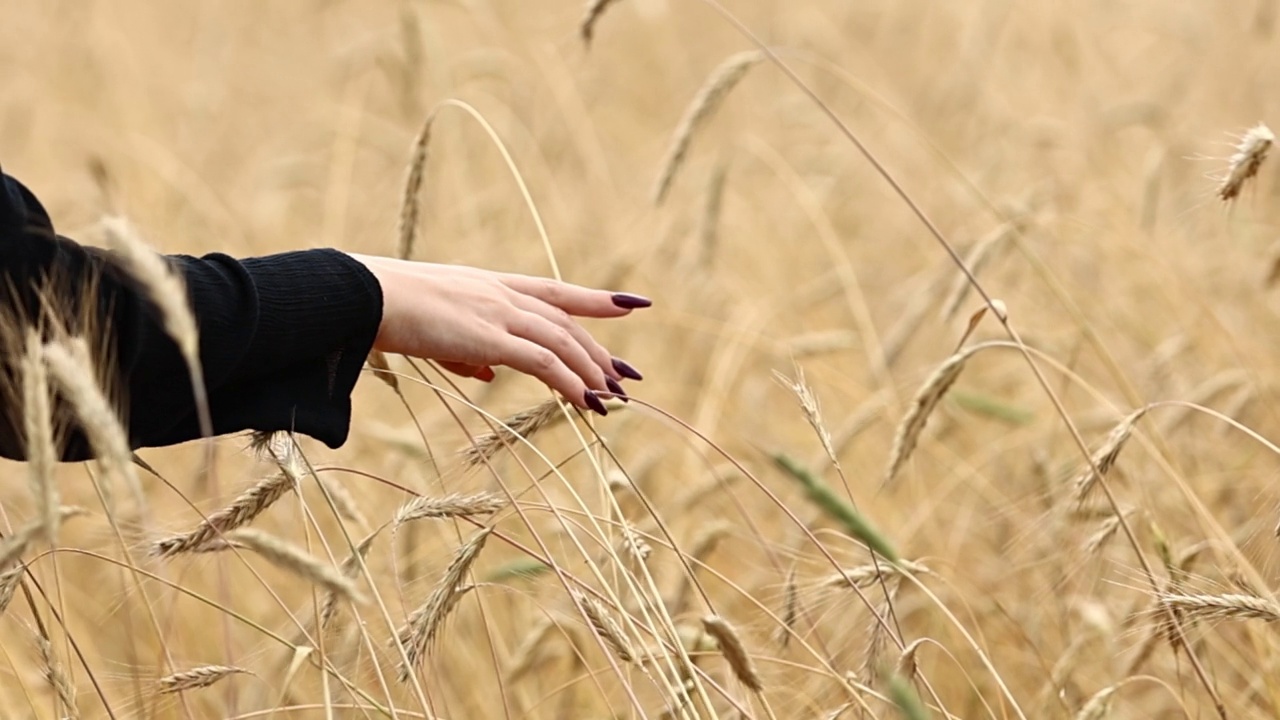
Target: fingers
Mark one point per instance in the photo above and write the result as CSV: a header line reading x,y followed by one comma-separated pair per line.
x,y
560,318
532,358
563,344
575,299
483,373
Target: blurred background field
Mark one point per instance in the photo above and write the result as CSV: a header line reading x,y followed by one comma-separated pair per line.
x,y
1077,138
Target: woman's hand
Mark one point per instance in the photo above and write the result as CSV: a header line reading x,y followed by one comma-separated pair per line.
x,y
469,319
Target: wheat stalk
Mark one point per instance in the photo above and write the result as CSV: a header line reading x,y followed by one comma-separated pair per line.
x,y
526,654
343,502
425,622
37,418
197,677
247,506
289,557
1247,159
349,569
733,651
709,97
520,425
449,506
983,252
926,400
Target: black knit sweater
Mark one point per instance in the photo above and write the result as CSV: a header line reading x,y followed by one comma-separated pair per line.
x,y
282,337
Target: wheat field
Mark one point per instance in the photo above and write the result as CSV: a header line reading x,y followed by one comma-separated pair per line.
x,y
848,487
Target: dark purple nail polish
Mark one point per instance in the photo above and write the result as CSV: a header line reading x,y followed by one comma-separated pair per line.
x,y
593,401
626,371
628,301
616,389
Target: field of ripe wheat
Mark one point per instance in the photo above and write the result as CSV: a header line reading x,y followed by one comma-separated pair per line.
x,y
960,383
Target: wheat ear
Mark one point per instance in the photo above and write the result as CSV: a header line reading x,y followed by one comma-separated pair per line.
x,y
37,418
1247,159
1232,606
72,369
717,88
411,201
605,627
1105,457
449,506
523,424
923,404
734,652
247,506
425,622
197,677
290,557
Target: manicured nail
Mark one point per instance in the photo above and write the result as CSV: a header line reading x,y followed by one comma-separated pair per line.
x,y
616,389
485,374
628,301
593,401
626,370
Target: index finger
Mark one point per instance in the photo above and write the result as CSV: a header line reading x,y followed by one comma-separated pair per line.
x,y
576,299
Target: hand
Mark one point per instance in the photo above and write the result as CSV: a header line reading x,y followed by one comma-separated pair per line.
x,y
470,319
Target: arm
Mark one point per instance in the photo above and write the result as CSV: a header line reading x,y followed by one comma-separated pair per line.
x,y
282,338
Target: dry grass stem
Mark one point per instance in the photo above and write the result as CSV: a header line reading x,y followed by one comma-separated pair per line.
x,y
410,203
424,623
1247,159
1105,457
922,406
1222,607
242,511
717,88
197,677
71,367
734,652
523,424
595,10
605,627
350,568
37,417
287,556
703,545
790,609
449,506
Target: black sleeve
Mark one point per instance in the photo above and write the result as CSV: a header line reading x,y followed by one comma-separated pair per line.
x,y
282,338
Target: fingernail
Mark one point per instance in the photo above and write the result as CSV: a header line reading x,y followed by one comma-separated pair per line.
x,y
626,371
485,374
628,301
593,401
616,389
